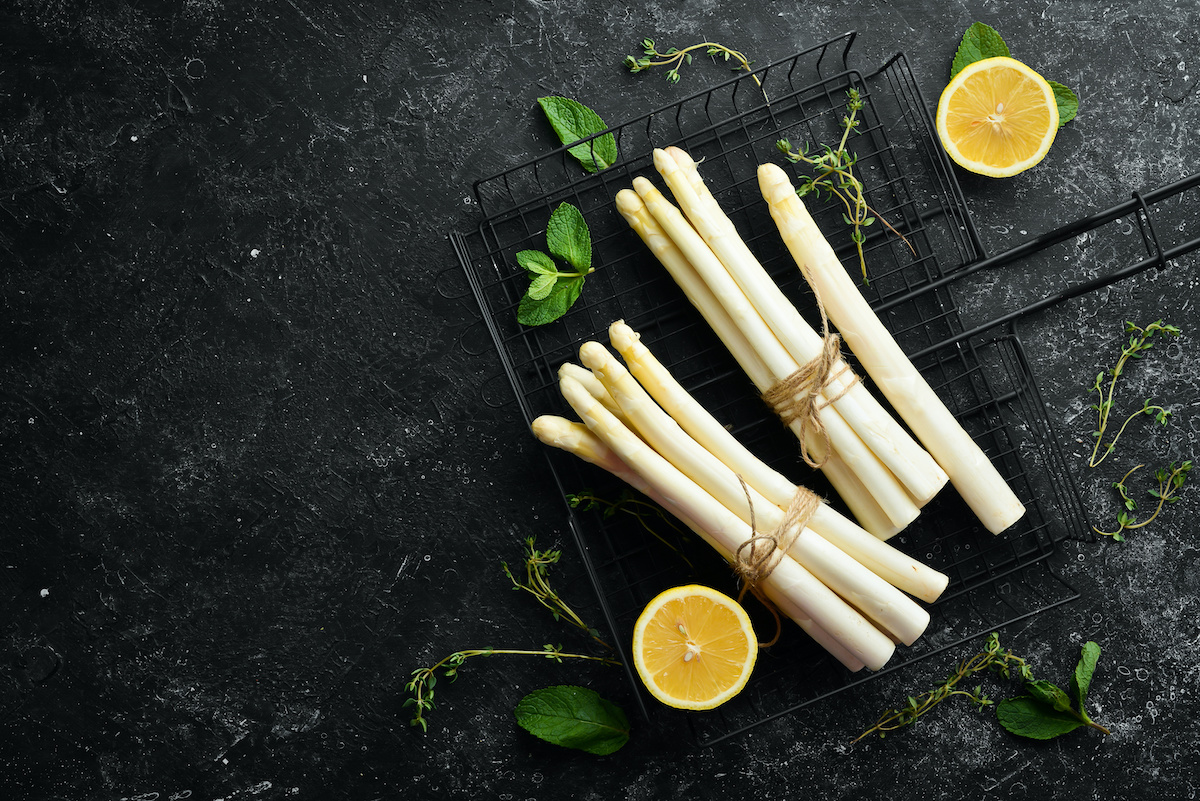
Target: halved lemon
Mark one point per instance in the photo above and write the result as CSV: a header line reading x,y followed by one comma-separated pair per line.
x,y
997,117
694,647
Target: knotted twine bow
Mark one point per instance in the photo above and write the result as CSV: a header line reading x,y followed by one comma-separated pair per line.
x,y
798,396
757,557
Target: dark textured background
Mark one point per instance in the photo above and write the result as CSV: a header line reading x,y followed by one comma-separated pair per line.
x,y
250,481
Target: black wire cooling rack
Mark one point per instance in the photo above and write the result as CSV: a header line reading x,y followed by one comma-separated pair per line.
x,y
982,372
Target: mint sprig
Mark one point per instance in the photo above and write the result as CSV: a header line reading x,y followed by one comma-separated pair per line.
x,y
981,41
553,291
573,122
574,717
1049,711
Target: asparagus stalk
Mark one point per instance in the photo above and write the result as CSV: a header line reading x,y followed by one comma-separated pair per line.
x,y
864,590
593,385
878,480
849,488
894,446
575,438
890,564
684,498
970,470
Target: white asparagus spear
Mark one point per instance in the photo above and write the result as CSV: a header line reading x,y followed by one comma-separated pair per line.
x,y
890,564
864,590
594,386
679,493
861,503
576,438
894,446
970,470
878,480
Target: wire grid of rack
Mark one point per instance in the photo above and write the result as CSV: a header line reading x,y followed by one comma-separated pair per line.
x,y
984,379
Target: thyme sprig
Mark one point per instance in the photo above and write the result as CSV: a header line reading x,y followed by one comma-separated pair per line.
x,y
537,584
648,515
421,687
1170,481
991,658
1140,340
673,58
424,680
833,176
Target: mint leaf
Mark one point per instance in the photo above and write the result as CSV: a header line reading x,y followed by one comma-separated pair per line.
x,y
568,238
1050,695
574,717
541,286
1068,103
1082,680
979,42
536,263
547,309
1026,716
573,121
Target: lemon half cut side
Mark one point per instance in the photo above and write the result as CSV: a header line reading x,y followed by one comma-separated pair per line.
x,y
997,117
694,647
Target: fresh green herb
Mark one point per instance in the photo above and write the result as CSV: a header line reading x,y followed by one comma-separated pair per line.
x,y
673,58
1170,481
991,658
422,686
1049,711
1045,713
537,584
649,516
424,680
981,41
574,717
833,175
552,291
1067,102
573,122
1140,340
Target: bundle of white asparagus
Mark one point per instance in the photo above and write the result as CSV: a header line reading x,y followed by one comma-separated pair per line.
x,y
842,585
970,471
882,474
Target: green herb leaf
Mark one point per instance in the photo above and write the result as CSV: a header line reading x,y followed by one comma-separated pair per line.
x,y
1068,103
573,121
536,263
1050,695
1082,679
541,286
535,311
1026,716
568,238
574,717
979,42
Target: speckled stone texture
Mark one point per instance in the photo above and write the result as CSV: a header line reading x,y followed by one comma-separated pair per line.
x,y
255,466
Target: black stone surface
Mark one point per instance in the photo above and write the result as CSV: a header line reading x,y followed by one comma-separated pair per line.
x,y
250,480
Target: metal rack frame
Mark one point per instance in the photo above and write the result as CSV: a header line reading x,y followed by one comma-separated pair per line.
x,y
981,372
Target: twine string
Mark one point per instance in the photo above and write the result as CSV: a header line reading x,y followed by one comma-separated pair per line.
x,y
797,397
757,557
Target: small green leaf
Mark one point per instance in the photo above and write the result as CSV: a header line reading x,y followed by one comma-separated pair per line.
x,y
532,311
1050,695
541,286
1068,103
536,263
1026,716
574,717
573,121
1082,680
980,41
568,238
